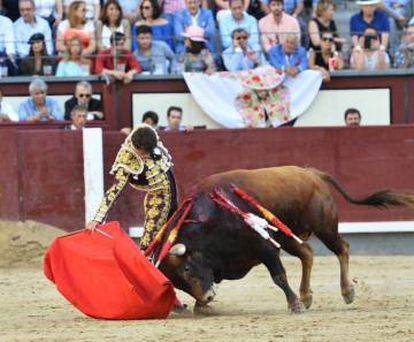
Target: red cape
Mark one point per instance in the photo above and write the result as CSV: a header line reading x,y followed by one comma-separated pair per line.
x,y
108,277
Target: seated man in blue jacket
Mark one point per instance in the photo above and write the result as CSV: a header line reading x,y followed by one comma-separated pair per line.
x,y
194,15
288,56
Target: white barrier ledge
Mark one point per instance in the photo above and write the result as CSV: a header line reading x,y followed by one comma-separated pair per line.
x,y
376,227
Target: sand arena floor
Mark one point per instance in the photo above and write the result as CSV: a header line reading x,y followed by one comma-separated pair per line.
x,y
252,309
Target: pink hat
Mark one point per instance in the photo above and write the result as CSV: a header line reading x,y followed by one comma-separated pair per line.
x,y
194,33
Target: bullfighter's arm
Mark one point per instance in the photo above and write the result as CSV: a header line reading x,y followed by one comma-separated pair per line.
x,y
111,195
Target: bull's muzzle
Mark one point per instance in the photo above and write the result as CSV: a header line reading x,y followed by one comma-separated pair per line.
x,y
208,296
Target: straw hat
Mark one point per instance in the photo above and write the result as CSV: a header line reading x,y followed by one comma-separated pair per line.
x,y
194,33
263,78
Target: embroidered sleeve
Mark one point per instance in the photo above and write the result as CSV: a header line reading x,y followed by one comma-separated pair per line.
x,y
121,177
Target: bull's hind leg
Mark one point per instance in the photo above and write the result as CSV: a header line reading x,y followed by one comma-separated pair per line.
x,y
340,247
271,260
305,253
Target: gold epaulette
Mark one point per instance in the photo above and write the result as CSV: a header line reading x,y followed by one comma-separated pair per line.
x,y
129,160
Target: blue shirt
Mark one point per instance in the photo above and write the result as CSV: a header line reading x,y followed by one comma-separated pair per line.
x,y
380,23
128,6
280,60
158,61
237,61
72,69
228,25
28,109
159,32
23,31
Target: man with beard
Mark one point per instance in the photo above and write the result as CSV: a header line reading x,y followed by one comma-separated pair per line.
x,y
276,25
352,117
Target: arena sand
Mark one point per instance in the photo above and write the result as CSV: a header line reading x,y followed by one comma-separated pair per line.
x,y
252,309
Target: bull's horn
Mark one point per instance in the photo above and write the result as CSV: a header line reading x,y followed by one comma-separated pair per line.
x,y
178,249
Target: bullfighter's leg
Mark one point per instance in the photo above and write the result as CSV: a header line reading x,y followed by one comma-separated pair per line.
x,y
340,247
271,260
305,253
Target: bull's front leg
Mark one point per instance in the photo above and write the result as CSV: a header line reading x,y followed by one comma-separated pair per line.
x,y
272,261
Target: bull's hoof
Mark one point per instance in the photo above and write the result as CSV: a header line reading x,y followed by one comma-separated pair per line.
x,y
307,299
349,295
203,310
296,307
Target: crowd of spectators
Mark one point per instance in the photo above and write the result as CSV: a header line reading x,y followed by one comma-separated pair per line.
x,y
118,39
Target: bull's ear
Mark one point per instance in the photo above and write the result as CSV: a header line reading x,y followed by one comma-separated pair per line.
x,y
178,249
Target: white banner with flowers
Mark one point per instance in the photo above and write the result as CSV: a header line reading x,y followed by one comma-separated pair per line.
x,y
255,98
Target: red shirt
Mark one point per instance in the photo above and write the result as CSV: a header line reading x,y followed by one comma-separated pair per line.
x,y
126,61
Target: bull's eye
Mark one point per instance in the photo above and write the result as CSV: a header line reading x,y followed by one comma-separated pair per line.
x,y
186,268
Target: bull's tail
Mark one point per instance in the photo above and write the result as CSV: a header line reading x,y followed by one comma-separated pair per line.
x,y
380,199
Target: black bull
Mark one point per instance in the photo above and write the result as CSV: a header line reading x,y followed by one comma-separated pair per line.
x,y
214,244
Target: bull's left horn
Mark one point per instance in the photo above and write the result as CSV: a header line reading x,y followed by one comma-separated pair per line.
x,y
178,249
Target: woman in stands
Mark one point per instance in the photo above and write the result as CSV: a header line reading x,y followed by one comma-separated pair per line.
x,y
196,57
323,22
38,62
145,164
77,26
151,16
327,58
112,21
74,64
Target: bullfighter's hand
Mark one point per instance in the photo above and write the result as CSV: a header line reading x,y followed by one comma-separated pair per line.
x,y
91,226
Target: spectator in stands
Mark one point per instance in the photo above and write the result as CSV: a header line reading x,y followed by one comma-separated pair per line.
x,y
174,118
196,58
223,7
38,62
154,57
130,9
404,57
50,10
323,22
399,13
295,8
7,39
7,113
74,64
289,57
369,54
150,118
237,18
93,8
39,107
29,24
352,117
83,98
370,17
241,55
78,117
76,25
276,25
117,62
112,20
193,15
325,59
151,16
170,8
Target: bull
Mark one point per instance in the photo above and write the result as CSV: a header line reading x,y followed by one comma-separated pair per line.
x,y
214,244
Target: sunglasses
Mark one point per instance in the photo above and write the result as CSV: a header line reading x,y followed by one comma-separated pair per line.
x,y
85,95
327,39
241,38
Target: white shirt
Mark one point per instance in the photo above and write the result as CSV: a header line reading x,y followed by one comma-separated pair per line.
x,y
7,36
90,12
106,34
8,110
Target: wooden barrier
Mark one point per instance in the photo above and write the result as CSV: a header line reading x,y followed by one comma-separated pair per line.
x,y
41,173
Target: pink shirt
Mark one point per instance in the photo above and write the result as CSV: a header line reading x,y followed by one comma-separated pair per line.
x,y
272,33
173,6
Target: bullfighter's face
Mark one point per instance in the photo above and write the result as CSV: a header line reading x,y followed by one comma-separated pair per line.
x,y
190,273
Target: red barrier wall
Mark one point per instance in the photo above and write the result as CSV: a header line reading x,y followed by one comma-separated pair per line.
x,y
41,173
